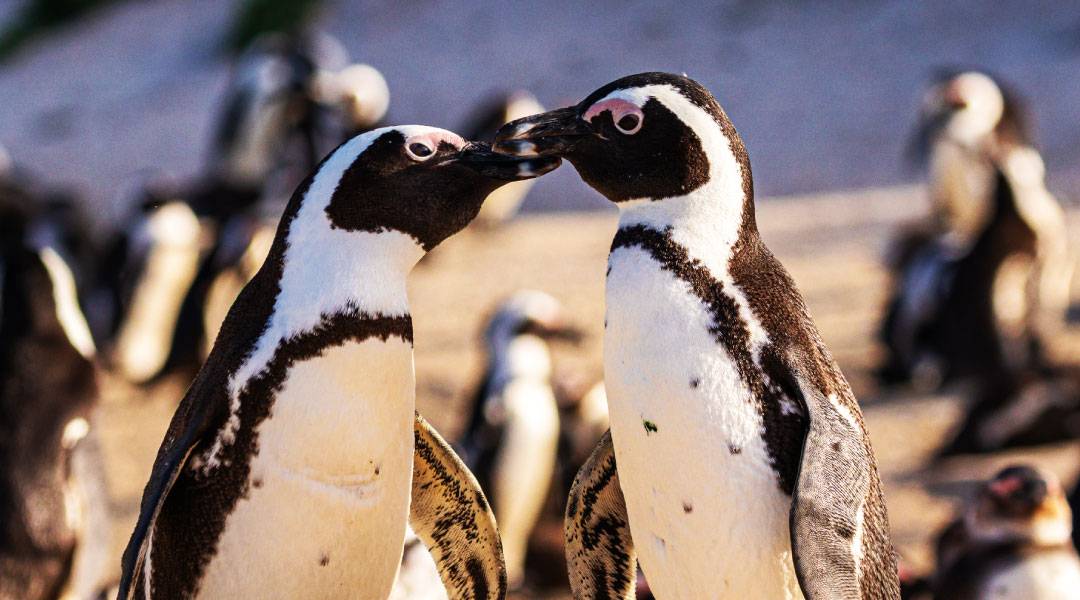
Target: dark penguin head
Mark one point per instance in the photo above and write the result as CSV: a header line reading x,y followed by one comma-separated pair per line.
x,y
1020,504
971,110
649,138
47,392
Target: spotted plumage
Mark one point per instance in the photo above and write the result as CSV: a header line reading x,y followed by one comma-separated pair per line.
x,y
289,465
728,414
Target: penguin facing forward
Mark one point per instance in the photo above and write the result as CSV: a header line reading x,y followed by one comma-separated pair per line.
x,y
737,455
1011,542
288,467
511,442
54,529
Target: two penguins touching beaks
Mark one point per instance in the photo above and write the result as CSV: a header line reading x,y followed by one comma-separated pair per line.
x,y
737,464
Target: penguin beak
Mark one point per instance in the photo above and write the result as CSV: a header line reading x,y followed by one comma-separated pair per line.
x,y
554,133
503,167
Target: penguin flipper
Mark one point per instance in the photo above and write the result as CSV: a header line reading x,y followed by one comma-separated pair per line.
x,y
450,514
829,509
599,549
191,420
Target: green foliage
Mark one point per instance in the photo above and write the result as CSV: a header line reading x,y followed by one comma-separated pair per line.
x,y
39,16
255,17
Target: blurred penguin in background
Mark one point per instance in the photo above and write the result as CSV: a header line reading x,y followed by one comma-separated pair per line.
x,y
511,442
161,272
1012,541
54,527
996,240
503,204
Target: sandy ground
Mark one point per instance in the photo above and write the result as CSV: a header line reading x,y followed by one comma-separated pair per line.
x,y
831,244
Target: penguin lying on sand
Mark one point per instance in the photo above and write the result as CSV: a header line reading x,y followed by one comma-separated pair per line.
x,y
54,528
744,468
1011,542
997,241
288,467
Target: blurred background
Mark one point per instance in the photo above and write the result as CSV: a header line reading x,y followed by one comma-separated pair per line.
x,y
117,110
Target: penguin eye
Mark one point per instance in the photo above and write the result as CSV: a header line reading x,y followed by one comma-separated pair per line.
x,y
419,151
629,123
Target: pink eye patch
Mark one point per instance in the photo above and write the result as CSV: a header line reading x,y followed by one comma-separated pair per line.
x,y
434,138
618,108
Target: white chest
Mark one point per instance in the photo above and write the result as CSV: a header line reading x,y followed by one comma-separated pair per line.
x,y
707,515
1050,576
329,489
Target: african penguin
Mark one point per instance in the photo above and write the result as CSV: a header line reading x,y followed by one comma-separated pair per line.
x,y
1011,542
977,128
504,202
744,467
54,528
359,92
511,441
288,467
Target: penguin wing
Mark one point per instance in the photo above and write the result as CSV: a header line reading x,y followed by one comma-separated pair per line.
x,y
599,549
189,423
451,515
829,499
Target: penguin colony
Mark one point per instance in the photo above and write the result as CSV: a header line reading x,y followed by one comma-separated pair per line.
x,y
737,464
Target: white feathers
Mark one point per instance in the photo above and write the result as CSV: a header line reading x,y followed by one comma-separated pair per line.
x,y
359,89
66,299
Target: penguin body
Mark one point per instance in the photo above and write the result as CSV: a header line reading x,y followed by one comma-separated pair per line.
x,y
54,531
307,399
1013,541
728,415
512,439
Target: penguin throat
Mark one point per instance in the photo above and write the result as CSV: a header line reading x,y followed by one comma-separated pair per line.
x,y
709,219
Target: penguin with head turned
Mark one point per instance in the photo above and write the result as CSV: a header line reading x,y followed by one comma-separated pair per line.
x,y
288,467
737,457
1012,542
54,529
996,240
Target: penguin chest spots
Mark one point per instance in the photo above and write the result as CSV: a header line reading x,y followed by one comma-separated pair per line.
x,y
689,445
328,493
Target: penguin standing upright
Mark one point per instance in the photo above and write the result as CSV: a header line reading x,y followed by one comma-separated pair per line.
x,y
288,467
1012,542
511,441
54,528
504,202
743,465
979,154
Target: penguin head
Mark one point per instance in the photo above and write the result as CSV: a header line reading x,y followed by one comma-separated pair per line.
x,y
651,135
425,182
529,312
359,91
1021,503
967,108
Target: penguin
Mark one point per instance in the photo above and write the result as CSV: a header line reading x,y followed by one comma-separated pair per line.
x,y
504,203
974,250
1011,542
512,439
288,467
737,456
54,527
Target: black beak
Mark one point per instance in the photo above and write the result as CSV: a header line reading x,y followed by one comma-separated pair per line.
x,y
553,133
504,167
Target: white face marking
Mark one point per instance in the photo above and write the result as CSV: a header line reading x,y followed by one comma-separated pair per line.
x,y
983,107
328,271
66,300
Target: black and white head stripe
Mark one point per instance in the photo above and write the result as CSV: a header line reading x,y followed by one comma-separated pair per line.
x,y
645,136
